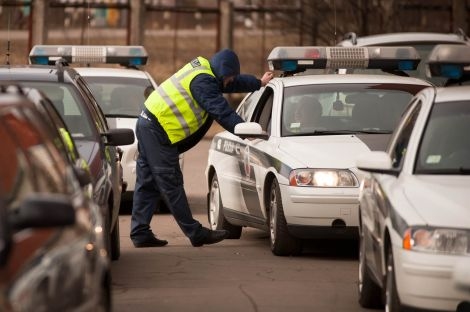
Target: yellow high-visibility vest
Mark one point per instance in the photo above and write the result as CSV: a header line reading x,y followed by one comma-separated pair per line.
x,y
173,104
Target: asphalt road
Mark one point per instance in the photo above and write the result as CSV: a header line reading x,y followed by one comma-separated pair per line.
x,y
234,275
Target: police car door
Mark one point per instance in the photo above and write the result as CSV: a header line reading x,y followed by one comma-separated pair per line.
x,y
256,158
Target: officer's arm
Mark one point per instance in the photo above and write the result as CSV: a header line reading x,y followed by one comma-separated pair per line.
x,y
243,83
207,94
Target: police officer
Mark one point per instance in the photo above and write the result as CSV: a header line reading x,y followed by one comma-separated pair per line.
x,y
176,117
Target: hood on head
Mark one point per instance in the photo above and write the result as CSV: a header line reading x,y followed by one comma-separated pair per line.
x,y
225,63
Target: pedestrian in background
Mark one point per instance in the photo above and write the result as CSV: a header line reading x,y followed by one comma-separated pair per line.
x,y
176,117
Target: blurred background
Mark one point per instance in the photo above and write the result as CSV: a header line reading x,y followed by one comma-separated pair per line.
x,y
175,31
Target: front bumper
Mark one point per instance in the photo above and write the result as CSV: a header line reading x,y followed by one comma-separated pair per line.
x,y
321,212
424,280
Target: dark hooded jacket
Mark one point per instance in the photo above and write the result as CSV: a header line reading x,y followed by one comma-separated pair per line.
x,y
208,93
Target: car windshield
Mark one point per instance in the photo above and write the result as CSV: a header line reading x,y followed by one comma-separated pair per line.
x,y
70,106
119,97
344,108
445,146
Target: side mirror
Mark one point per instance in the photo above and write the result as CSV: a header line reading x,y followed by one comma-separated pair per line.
x,y
43,210
377,162
116,137
250,130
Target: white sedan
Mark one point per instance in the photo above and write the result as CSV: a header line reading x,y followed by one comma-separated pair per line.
x,y
414,203
295,176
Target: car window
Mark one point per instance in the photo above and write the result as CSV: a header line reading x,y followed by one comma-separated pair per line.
x,y
247,106
400,142
93,107
70,105
46,163
445,146
263,110
13,174
119,96
344,108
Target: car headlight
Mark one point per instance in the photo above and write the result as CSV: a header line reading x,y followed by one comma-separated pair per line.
x,y
437,240
323,178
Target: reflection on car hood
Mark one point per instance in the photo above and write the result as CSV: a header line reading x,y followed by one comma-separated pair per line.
x,y
338,151
440,200
121,122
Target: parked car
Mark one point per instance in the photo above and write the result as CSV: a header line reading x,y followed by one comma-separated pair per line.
x,y
423,42
52,245
95,141
120,91
296,178
414,207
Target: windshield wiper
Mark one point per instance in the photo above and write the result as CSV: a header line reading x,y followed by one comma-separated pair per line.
x,y
323,132
121,115
459,170
379,131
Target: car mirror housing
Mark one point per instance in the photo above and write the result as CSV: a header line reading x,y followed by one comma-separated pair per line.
x,y
43,210
250,130
120,136
376,162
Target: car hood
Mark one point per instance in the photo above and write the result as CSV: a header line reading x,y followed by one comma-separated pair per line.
x,y
122,122
329,151
440,200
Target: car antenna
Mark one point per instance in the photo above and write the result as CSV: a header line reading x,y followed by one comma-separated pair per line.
x,y
8,40
334,8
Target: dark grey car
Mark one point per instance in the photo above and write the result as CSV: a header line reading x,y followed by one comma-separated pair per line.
x,y
52,247
95,141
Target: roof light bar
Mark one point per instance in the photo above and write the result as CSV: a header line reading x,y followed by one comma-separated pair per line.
x,y
298,59
449,60
123,55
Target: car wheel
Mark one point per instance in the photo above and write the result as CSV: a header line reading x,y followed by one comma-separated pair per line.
x,y
215,212
282,243
370,294
105,302
392,302
115,242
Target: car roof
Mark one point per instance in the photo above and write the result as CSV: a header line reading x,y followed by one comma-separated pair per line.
x,y
449,94
350,79
36,73
402,38
111,72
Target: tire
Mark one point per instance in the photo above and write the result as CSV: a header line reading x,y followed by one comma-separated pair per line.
x,y
282,243
115,242
370,294
215,212
392,302
105,302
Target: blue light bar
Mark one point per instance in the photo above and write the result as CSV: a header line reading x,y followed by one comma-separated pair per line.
x,y
449,60
297,59
87,54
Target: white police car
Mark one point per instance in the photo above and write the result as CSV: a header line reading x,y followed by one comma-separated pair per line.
x,y
423,42
414,203
296,177
120,91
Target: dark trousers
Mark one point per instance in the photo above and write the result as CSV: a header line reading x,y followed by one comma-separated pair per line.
x,y
159,173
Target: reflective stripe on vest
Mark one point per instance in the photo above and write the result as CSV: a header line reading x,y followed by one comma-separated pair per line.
x,y
173,104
